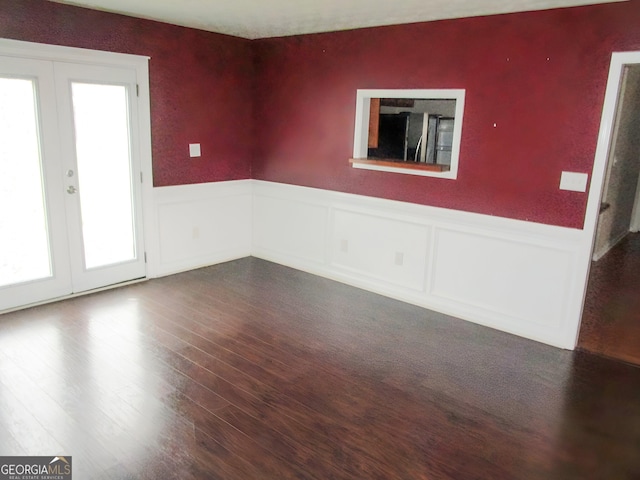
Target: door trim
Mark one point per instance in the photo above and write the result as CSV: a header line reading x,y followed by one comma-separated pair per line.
x,y
618,61
598,173
139,63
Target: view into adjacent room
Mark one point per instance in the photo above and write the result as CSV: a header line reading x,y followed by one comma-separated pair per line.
x,y
611,318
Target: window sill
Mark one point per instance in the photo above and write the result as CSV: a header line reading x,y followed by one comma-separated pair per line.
x,y
407,168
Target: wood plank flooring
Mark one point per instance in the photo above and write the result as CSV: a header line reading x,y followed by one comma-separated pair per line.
x,y
250,370
611,317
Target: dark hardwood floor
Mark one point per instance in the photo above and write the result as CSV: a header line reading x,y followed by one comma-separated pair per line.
x,y
611,317
250,370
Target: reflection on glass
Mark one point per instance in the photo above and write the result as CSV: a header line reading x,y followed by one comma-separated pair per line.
x,y
408,129
103,156
24,243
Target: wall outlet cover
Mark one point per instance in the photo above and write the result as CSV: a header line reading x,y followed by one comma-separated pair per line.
x,y
194,149
574,181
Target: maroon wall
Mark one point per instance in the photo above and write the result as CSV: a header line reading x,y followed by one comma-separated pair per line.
x,y
540,77
200,83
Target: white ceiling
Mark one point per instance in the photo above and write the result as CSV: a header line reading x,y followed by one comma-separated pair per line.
x,y
274,18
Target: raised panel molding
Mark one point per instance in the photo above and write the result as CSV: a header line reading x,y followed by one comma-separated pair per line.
x,y
290,229
519,277
507,278
200,225
381,248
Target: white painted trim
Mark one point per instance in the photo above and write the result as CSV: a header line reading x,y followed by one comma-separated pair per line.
x,y
361,131
618,61
404,171
536,263
598,175
220,213
614,132
43,51
146,162
60,282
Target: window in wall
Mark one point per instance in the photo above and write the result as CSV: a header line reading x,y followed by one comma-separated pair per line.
x,y
416,132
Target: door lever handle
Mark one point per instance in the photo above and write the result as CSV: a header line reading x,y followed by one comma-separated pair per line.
x,y
71,190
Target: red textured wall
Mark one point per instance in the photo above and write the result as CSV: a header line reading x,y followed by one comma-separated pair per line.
x,y
200,83
539,76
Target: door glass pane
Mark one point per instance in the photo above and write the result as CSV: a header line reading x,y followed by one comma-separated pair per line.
x,y
104,172
24,243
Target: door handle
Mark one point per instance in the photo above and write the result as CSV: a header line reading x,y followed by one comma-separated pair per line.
x,y
71,189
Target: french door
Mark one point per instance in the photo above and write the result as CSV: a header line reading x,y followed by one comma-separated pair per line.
x,y
70,202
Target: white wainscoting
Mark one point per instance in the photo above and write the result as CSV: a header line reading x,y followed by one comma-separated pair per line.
x,y
520,277
199,225
515,276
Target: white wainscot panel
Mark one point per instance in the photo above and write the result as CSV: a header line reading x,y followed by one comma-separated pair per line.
x,y
200,225
523,287
285,230
390,251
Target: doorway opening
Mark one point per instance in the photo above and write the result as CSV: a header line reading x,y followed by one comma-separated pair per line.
x,y
611,314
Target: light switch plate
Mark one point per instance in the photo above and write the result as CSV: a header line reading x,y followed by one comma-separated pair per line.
x,y
574,181
194,149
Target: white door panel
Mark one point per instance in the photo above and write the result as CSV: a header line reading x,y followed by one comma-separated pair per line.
x,y
34,261
102,173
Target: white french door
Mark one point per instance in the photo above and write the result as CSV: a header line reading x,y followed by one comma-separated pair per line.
x,y
70,201
96,110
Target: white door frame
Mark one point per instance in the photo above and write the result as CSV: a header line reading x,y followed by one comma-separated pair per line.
x,y
598,174
618,61
139,63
